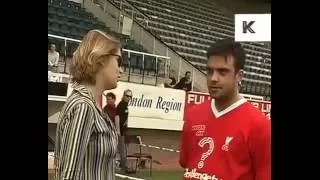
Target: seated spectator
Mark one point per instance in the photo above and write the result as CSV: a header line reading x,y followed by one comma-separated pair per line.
x,y
53,58
185,83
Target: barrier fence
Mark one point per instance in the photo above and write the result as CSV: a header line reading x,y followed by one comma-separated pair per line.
x,y
162,108
139,67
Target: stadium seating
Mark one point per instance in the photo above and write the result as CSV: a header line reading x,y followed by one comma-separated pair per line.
x,y
187,27
69,19
190,27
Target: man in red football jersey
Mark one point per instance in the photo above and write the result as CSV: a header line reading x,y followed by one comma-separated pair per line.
x,y
225,138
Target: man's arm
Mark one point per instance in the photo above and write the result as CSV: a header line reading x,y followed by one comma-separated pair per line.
x,y
183,161
117,123
189,86
75,140
117,118
260,148
56,63
180,84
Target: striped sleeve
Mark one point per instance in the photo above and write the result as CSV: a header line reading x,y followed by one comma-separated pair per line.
x,y
76,136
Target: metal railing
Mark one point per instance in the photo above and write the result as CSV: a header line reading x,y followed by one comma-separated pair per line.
x,y
150,66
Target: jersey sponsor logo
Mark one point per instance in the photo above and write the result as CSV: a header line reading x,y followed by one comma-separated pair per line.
x,y
200,129
208,152
197,175
225,147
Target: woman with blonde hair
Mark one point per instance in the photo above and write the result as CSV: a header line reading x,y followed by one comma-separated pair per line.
x,y
86,140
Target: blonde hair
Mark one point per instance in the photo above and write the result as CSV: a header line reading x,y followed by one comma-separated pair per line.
x,y
87,61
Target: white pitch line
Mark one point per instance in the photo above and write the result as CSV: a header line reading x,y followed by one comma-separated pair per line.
x,y
128,177
161,148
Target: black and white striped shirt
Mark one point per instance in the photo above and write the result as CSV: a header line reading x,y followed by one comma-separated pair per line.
x,y
86,140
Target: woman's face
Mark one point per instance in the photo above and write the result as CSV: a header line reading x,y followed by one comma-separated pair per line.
x,y
110,73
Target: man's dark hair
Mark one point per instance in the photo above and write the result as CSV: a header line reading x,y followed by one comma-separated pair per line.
x,y
112,95
187,73
227,47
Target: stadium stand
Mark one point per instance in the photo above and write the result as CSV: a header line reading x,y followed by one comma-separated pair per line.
x,y
185,26
69,19
190,27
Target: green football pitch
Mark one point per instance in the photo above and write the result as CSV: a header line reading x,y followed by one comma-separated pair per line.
x,y
157,175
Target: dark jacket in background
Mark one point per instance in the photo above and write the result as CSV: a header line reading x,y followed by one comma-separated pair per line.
x,y
182,84
122,111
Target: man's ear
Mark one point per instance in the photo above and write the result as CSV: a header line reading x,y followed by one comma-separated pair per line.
x,y
240,74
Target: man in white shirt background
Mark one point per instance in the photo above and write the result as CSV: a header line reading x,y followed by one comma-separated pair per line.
x,y
53,58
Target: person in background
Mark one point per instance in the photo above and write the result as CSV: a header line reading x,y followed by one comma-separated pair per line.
x,y
185,83
86,139
53,58
110,108
121,121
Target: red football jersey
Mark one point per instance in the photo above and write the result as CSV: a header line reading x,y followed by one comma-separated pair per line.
x,y
234,144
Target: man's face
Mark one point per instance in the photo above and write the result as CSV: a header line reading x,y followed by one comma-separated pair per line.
x,y
110,100
188,76
222,80
127,96
53,47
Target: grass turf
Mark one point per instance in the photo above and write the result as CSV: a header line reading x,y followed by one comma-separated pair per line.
x,y
158,175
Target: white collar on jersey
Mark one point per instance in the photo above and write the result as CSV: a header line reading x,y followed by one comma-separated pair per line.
x,y
228,109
